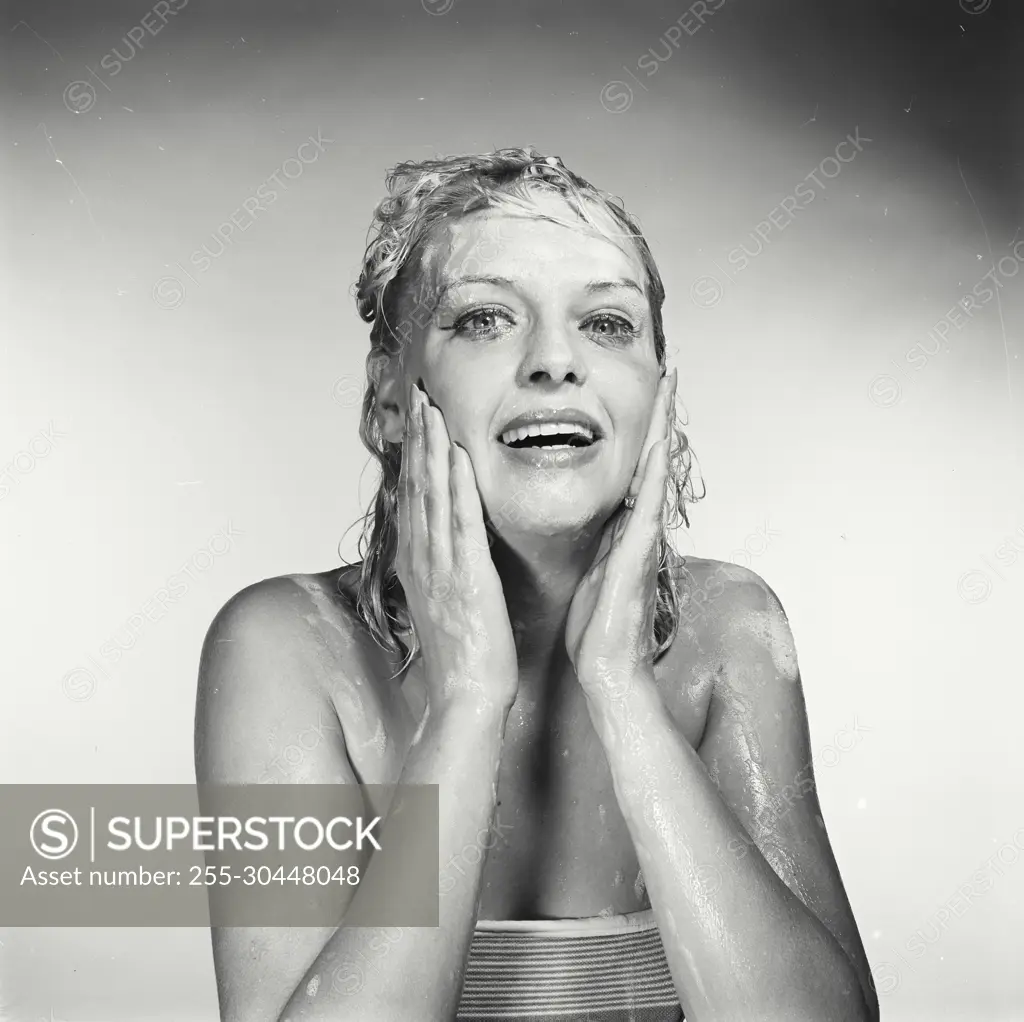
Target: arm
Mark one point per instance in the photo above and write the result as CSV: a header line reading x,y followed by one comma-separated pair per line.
x,y
749,900
263,681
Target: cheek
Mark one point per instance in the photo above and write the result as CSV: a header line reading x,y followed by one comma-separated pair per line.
x,y
465,421
635,429
469,392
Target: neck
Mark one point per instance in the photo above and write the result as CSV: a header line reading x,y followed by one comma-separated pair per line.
x,y
539,576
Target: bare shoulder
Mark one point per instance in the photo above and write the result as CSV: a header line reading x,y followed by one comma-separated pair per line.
x,y
731,625
756,744
725,605
718,584
293,615
275,660
278,657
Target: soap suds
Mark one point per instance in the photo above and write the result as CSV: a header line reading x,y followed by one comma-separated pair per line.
x,y
327,612
422,724
758,784
770,629
378,740
781,643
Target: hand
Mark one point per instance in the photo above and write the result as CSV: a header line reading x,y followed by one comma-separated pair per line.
x,y
454,595
609,632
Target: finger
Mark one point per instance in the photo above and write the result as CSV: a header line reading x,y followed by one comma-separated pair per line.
x,y
403,483
645,521
416,486
609,535
437,500
661,419
468,530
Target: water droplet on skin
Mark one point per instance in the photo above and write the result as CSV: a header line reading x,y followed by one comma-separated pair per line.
x,y
378,740
638,885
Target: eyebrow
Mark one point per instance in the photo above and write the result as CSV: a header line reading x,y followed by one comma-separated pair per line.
x,y
460,281
592,287
597,286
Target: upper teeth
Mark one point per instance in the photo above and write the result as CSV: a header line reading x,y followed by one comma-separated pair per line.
x,y
545,429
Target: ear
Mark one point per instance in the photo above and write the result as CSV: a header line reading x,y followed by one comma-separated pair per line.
x,y
392,400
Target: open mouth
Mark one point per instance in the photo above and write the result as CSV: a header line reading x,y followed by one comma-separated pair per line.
x,y
551,436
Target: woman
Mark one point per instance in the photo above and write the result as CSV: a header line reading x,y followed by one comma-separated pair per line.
x,y
625,727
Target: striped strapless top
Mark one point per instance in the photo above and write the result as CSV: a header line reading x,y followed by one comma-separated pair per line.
x,y
597,969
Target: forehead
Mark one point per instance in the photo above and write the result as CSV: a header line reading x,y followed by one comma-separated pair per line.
x,y
521,246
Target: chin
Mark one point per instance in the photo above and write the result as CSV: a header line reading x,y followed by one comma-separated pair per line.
x,y
520,515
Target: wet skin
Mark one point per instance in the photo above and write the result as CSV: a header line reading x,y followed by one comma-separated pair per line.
x,y
565,850
287,653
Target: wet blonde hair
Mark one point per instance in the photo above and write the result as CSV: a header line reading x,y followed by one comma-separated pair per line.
x,y
422,195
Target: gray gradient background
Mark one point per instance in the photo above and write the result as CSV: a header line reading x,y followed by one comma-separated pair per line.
x,y
239,406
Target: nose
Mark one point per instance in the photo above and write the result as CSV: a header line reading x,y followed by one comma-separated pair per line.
x,y
552,355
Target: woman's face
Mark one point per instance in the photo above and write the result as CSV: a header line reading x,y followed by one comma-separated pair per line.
x,y
524,319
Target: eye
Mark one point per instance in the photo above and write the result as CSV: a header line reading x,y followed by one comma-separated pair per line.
x,y
612,327
479,322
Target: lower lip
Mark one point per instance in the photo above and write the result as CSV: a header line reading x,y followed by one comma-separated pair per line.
x,y
552,457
